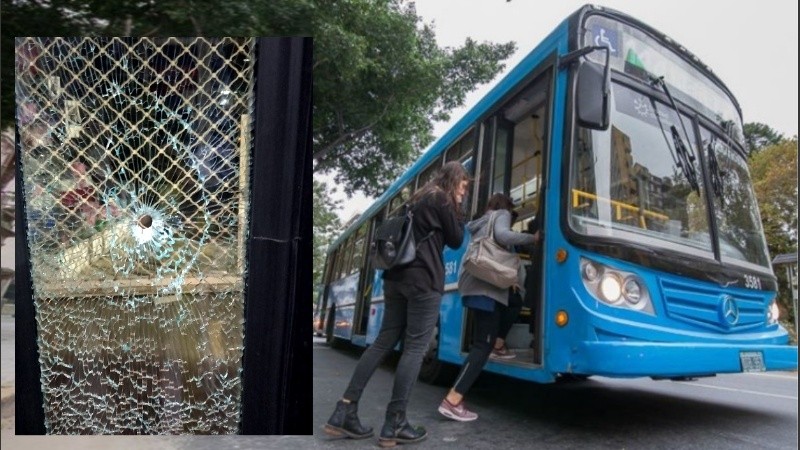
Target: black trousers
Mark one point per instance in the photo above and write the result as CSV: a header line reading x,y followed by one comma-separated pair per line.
x,y
509,314
483,336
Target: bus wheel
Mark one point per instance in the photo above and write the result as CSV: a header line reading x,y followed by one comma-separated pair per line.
x,y
330,339
433,370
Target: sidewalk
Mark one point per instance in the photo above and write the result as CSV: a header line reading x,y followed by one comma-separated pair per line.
x,y
7,331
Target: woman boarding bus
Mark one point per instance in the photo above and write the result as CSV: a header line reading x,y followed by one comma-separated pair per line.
x,y
629,153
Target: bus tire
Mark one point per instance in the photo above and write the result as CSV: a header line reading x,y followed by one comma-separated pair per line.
x,y
330,339
433,370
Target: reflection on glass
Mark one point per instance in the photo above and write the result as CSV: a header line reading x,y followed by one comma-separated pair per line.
x,y
740,235
135,162
627,182
637,54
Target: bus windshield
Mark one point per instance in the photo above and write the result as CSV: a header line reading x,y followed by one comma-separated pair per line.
x,y
641,180
636,54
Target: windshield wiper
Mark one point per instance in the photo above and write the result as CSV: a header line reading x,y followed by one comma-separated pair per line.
x,y
685,159
685,155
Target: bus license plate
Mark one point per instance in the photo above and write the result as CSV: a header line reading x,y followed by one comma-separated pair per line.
x,y
752,361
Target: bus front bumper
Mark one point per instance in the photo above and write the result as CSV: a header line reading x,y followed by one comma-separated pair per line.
x,y
636,359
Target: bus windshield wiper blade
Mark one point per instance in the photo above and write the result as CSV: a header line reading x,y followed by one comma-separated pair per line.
x,y
685,159
686,156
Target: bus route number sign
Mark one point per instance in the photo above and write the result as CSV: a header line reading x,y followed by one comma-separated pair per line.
x,y
752,361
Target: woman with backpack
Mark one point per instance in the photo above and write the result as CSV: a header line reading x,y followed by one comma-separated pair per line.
x,y
413,293
487,302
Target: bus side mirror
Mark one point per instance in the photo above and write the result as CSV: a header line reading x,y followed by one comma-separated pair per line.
x,y
592,96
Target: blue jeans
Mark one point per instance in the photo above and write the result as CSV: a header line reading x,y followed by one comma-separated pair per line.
x,y
410,312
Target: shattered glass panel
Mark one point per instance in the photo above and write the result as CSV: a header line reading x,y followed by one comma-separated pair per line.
x,y
135,162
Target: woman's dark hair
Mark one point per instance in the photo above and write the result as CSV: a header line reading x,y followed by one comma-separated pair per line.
x,y
500,201
446,179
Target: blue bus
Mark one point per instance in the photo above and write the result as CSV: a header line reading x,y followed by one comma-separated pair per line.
x,y
629,152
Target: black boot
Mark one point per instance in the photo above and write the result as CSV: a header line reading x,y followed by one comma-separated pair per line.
x,y
397,430
344,422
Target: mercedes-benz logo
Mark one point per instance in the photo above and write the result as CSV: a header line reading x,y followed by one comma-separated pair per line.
x,y
729,310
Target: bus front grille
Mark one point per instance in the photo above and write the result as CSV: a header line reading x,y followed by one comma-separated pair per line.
x,y
711,307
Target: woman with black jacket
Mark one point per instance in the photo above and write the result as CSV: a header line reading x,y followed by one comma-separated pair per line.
x,y
413,293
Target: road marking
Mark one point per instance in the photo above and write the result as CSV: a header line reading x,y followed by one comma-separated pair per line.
x,y
772,375
789,397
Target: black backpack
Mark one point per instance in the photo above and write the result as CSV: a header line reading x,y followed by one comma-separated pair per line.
x,y
394,244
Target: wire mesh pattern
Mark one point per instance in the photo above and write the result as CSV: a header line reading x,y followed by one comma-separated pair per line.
x,y
135,162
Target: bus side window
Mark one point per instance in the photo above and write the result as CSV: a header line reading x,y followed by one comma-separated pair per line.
x,y
358,248
336,262
400,199
463,152
344,259
428,173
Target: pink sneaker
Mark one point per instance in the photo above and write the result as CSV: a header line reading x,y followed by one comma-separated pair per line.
x,y
457,412
501,353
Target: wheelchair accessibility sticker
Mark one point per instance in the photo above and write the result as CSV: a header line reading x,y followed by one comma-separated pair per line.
x,y
607,38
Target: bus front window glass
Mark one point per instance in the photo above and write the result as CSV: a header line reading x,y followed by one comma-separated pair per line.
x,y
635,53
741,237
626,182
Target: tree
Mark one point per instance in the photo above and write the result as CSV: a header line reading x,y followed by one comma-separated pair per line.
x,y
326,225
773,170
758,135
379,76
385,80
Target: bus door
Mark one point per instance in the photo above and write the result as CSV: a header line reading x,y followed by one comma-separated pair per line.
x,y
519,144
491,179
529,112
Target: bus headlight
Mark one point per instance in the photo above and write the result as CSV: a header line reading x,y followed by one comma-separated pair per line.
x,y
773,313
590,271
632,291
615,287
610,287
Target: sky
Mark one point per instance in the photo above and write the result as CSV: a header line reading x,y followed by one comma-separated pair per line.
x,y
750,45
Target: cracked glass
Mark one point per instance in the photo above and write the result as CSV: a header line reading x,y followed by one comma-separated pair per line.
x,y
135,155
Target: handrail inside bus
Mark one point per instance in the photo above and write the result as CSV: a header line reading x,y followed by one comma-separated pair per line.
x,y
618,207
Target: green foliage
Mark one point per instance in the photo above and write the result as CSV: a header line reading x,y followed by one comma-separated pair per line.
x,y
27,19
773,170
385,80
757,136
379,76
326,226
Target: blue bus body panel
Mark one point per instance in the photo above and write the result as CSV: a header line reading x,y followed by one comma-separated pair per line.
x,y
686,336
452,262
375,320
342,295
634,359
